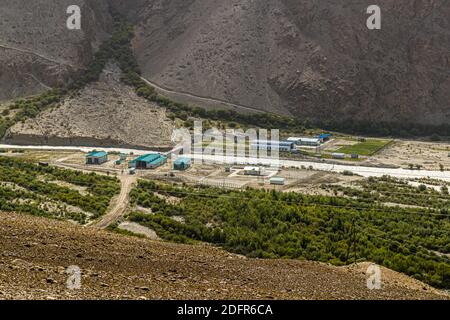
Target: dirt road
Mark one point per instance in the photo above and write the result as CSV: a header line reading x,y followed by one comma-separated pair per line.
x,y
119,204
49,59
203,99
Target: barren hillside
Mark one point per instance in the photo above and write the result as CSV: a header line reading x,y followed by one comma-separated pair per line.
x,y
35,253
307,58
36,48
104,113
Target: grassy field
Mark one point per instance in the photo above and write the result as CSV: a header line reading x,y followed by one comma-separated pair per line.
x,y
365,148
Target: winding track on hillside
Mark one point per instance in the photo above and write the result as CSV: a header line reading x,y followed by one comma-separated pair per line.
x,y
204,99
151,83
44,57
159,87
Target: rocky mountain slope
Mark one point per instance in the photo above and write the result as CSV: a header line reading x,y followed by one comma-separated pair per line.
x,y
104,113
306,58
35,253
37,50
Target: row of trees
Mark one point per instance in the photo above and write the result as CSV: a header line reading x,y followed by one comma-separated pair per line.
x,y
393,190
290,225
42,184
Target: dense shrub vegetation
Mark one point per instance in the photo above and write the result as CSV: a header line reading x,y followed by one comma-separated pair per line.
x,y
29,188
271,224
396,191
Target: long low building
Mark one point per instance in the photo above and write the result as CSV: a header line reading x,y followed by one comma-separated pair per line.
x,y
148,161
277,181
303,141
268,145
337,155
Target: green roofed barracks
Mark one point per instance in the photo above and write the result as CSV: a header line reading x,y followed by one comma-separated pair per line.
x,y
181,164
96,157
148,161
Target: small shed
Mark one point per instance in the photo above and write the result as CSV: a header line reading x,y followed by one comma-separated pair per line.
x,y
182,164
96,157
277,181
338,155
253,171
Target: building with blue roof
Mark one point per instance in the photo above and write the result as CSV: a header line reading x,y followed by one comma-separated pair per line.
x,y
324,137
97,157
148,161
182,163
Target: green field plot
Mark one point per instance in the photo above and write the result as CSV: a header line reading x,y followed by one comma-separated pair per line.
x,y
365,148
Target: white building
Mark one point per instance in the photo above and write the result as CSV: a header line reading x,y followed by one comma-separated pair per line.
x,y
286,146
253,171
304,141
338,155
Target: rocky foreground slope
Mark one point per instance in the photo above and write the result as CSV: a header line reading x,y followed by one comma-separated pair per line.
x,y
35,252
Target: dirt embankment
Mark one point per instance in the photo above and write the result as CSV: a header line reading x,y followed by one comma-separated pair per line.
x,y
35,252
105,113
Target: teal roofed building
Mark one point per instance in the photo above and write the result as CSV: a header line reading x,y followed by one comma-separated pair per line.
x,y
132,163
96,157
148,161
182,164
